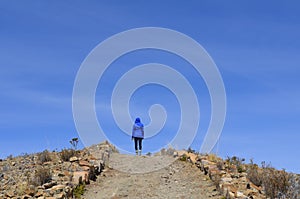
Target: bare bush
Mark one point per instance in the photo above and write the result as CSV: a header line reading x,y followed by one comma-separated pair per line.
x,y
42,175
44,156
275,182
66,154
253,174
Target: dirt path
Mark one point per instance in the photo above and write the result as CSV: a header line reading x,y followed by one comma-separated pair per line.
x,y
150,177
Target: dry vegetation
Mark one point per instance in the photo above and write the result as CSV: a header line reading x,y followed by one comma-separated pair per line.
x,y
276,183
261,181
52,174
42,175
66,154
44,157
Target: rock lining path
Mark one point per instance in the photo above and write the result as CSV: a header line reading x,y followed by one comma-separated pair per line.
x,y
136,177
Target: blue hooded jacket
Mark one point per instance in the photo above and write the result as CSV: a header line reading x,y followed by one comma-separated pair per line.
x,y
138,129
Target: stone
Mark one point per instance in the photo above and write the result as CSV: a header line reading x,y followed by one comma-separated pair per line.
x,y
175,154
205,162
229,187
243,179
30,191
84,163
85,168
213,172
49,184
57,188
73,159
223,172
26,196
226,179
231,194
255,187
9,194
240,194
59,196
181,153
47,163
66,173
39,193
193,157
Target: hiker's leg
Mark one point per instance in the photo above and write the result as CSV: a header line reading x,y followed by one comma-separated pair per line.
x,y
136,143
140,144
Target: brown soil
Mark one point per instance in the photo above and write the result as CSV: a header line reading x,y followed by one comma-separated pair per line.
x,y
150,177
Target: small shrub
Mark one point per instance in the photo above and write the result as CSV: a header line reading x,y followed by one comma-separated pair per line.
x,y
149,154
184,158
25,155
66,154
21,189
190,150
42,175
236,163
10,157
253,174
240,169
79,190
5,168
44,156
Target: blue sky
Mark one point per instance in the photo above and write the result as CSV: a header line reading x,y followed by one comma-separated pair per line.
x,y
255,45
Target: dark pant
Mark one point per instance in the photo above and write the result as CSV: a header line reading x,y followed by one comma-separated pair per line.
x,y
138,143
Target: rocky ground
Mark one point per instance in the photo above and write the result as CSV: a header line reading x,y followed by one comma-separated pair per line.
x,y
100,171
54,175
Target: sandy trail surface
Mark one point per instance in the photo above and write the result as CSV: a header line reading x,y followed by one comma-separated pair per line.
x,y
150,177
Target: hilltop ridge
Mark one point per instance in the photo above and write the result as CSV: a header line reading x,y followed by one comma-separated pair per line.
x,y
99,171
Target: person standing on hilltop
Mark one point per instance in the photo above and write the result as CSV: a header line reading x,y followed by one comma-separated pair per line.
x,y
138,135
